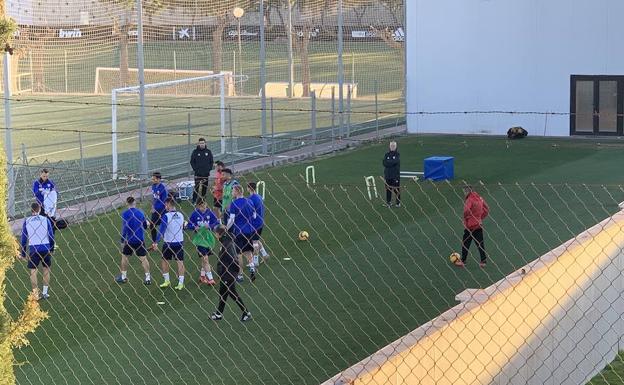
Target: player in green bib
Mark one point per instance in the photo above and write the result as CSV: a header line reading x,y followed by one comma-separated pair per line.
x,y
202,222
229,184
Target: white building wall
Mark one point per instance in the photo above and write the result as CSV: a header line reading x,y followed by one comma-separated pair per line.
x,y
505,55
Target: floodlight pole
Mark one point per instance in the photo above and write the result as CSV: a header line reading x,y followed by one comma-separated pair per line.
x,y
263,101
144,167
291,62
8,139
340,68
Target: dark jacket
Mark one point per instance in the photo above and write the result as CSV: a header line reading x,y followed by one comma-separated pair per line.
x,y
227,266
202,161
392,164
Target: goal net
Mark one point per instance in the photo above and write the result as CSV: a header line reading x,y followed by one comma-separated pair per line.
x,y
109,78
177,113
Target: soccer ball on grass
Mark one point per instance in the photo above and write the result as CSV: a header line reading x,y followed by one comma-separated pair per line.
x,y
304,236
454,257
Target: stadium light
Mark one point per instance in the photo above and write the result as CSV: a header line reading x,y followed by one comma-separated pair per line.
x,y
238,12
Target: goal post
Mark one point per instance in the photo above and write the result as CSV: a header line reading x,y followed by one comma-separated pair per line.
x,y
205,88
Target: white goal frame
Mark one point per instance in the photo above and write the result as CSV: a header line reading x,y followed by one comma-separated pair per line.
x,y
135,90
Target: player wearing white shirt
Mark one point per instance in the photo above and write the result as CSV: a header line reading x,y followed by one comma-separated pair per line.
x,y
37,242
171,231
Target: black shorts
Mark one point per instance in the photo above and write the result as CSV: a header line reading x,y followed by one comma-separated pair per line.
x,y
173,251
217,203
37,258
257,235
393,182
134,248
243,243
157,218
203,251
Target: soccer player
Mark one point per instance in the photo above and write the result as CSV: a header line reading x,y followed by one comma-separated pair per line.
x,y
228,269
133,241
257,223
42,187
160,195
475,211
241,216
38,237
172,233
203,221
217,190
228,185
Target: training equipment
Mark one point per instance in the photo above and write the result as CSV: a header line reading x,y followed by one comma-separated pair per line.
x,y
304,236
439,168
261,185
185,190
413,175
310,174
454,257
371,186
213,85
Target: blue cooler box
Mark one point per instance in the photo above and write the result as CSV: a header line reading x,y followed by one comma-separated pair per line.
x,y
439,168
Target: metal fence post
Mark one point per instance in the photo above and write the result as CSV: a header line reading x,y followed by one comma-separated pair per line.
x,y
144,166
82,174
188,134
263,79
26,169
333,118
377,108
348,110
272,135
340,67
231,130
313,120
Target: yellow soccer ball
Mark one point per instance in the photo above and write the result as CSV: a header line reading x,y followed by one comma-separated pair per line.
x,y
454,257
304,236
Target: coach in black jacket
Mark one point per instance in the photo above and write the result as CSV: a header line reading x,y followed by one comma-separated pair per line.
x,y
228,268
392,174
202,162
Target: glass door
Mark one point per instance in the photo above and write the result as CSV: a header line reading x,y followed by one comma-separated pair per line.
x,y
596,105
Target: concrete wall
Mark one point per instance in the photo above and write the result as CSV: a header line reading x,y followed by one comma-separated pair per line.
x,y
559,323
507,55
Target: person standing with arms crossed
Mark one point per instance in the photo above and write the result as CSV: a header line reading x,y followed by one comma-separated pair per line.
x,y
201,162
475,211
392,174
38,241
228,269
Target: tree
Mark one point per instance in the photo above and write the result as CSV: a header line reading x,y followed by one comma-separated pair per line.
x,y
121,12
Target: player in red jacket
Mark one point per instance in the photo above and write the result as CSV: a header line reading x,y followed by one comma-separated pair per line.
x,y
475,211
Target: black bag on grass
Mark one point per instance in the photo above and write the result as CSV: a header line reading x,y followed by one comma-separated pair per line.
x,y
60,224
517,133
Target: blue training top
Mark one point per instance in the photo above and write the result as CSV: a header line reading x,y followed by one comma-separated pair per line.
x,y
258,205
244,214
133,222
159,192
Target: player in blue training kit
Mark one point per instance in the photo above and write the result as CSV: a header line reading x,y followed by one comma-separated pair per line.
x,y
202,222
42,187
38,240
160,195
133,241
257,223
172,233
241,216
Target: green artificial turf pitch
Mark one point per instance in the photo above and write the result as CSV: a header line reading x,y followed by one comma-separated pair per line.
x,y
368,275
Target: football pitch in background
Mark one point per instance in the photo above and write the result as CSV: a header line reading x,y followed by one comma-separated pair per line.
x,y
367,276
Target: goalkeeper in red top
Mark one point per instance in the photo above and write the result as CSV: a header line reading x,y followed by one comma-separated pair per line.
x,y
475,211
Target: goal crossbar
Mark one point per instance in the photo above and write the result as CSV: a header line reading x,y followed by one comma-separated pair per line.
x,y
136,89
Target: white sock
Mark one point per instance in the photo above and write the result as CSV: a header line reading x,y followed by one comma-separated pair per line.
x,y
203,273
45,290
256,260
209,275
124,274
148,277
166,277
251,266
181,279
263,252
